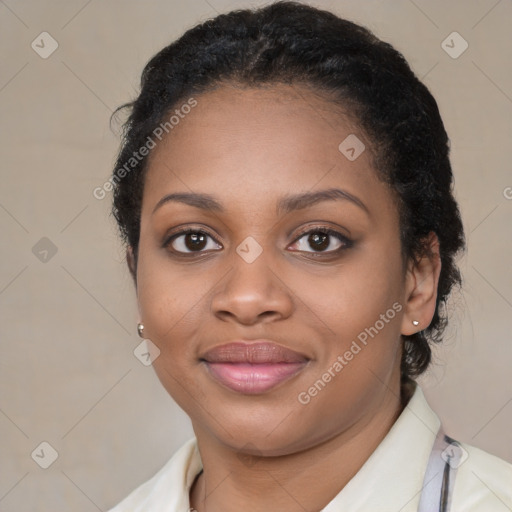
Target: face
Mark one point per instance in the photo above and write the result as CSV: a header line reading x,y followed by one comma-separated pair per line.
x,y
254,248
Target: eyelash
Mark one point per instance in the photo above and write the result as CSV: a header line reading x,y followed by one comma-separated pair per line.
x,y
346,242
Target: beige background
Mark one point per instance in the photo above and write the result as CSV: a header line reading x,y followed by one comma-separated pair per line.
x,y
68,374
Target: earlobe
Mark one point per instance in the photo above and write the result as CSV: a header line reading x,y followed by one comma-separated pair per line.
x,y
421,288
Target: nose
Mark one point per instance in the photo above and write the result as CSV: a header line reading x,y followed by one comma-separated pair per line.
x,y
252,293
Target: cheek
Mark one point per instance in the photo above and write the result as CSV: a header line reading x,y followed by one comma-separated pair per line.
x,y
351,296
359,306
170,305
168,298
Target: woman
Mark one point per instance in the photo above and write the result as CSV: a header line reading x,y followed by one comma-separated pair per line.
x,y
284,192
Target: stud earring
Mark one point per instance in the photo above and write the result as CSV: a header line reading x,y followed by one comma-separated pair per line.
x,y
415,322
140,330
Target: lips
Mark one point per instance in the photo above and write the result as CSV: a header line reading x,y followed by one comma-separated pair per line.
x,y
253,368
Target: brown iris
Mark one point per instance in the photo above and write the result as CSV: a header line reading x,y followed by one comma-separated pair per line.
x,y
319,241
195,241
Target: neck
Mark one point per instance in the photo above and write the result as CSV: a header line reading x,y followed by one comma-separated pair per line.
x,y
229,482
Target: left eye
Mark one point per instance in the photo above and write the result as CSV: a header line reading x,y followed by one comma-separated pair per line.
x,y
321,240
192,241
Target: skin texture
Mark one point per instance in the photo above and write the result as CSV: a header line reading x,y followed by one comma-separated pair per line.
x,y
248,148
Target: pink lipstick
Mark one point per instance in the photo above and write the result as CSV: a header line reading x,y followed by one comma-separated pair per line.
x,y
253,368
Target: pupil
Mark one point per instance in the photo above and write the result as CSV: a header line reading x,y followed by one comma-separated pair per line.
x,y
319,240
195,241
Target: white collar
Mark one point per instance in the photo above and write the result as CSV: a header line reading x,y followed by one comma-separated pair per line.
x,y
394,472
389,481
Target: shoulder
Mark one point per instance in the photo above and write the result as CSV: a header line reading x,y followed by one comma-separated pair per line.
x,y
168,487
483,482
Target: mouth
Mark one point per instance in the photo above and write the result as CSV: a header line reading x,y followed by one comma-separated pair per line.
x,y
253,368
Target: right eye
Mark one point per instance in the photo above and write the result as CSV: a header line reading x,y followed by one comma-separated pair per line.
x,y
191,241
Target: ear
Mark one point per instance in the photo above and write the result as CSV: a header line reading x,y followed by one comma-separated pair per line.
x,y
132,266
421,288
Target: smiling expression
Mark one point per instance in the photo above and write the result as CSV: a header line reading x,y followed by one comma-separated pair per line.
x,y
254,226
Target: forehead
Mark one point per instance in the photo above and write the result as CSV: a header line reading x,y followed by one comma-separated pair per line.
x,y
258,142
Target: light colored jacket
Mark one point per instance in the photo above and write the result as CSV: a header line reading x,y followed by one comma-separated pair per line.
x,y
391,480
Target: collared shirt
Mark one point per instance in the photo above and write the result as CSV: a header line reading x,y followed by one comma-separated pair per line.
x,y
390,480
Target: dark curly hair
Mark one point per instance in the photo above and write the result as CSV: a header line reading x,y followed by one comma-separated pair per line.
x,y
292,43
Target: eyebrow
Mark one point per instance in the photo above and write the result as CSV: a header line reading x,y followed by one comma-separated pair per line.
x,y
304,200
285,205
202,201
